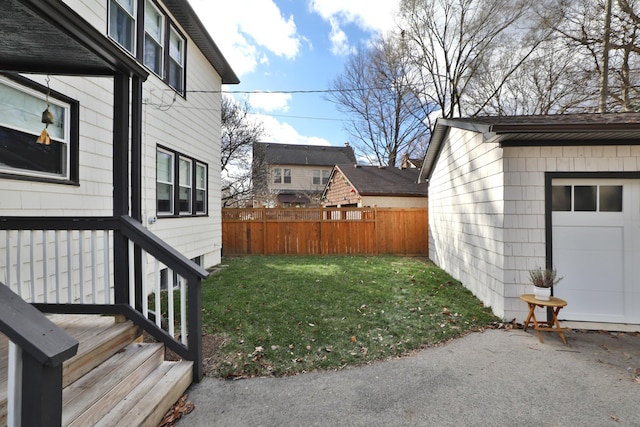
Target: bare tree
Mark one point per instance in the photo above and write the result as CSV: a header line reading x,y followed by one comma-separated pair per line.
x,y
465,52
239,132
386,119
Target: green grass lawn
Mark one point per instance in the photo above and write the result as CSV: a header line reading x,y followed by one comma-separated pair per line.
x,y
285,315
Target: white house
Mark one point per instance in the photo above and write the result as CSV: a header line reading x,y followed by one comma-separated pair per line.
x,y
509,194
109,171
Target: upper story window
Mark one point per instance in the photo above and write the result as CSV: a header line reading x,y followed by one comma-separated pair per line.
x,y
180,180
287,176
320,176
153,38
122,23
175,70
277,175
164,55
21,105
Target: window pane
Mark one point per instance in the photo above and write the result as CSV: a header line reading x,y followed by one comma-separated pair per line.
x,y
164,165
277,175
122,23
153,38
20,125
176,61
325,176
561,198
316,177
185,172
201,176
153,22
584,198
610,198
164,196
200,199
185,200
287,176
185,185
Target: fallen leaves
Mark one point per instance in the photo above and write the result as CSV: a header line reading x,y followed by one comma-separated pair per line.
x,y
180,408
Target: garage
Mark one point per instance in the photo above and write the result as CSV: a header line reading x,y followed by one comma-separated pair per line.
x,y
596,248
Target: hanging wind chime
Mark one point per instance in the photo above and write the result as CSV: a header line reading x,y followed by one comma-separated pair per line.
x,y
47,119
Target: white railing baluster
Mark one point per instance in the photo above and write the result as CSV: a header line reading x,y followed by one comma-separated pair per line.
x,y
145,293
105,250
132,288
56,254
14,386
170,309
45,278
94,262
81,266
69,268
8,256
19,264
183,310
32,267
157,307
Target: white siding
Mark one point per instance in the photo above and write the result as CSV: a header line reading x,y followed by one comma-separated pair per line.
x,y
190,126
394,202
486,211
466,214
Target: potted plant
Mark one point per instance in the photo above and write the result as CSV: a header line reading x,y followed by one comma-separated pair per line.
x,y
543,280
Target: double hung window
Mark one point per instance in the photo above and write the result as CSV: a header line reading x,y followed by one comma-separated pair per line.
x,y
181,184
122,23
20,125
153,38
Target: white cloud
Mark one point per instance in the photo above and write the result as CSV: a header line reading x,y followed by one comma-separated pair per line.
x,y
270,101
284,133
245,29
370,15
339,40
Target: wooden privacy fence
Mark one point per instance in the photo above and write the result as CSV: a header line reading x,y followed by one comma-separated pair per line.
x,y
325,231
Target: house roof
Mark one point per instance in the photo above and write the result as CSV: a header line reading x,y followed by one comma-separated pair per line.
x,y
186,16
48,37
310,155
377,181
542,130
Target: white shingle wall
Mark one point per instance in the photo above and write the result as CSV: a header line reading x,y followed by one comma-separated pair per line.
x,y
466,182
190,126
490,243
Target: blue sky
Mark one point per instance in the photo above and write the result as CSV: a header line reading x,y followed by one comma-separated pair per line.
x,y
293,45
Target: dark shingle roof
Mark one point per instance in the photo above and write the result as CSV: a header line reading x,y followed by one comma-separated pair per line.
x,y
390,181
541,130
312,155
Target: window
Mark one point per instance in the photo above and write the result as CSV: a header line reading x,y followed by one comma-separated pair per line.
x,y
153,38
201,188
164,184
325,176
185,185
287,176
175,71
277,175
586,198
122,23
181,184
21,105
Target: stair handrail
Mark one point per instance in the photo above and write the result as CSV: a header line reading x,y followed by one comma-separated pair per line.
x,y
45,347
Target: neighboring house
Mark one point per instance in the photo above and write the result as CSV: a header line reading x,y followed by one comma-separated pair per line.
x,y
110,170
289,175
509,194
366,186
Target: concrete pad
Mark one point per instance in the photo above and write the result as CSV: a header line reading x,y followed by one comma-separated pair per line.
x,y
494,378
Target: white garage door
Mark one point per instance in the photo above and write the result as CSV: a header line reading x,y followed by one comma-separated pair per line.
x,y
596,248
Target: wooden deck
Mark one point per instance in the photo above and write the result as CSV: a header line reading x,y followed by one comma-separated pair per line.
x,y
115,378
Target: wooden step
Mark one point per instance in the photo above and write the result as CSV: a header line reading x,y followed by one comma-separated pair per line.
x,y
114,379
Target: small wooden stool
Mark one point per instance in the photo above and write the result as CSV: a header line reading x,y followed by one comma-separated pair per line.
x,y
556,305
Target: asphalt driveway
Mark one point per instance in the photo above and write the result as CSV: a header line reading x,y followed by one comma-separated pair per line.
x,y
494,378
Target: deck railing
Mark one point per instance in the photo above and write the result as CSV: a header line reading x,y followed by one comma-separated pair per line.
x,y
106,265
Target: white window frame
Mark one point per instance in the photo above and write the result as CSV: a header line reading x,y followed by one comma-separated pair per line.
x,y
325,176
158,42
286,176
201,188
129,14
277,175
185,182
315,179
171,183
35,127
178,61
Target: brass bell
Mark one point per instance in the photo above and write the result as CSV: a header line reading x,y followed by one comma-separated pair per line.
x,y
44,138
47,117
